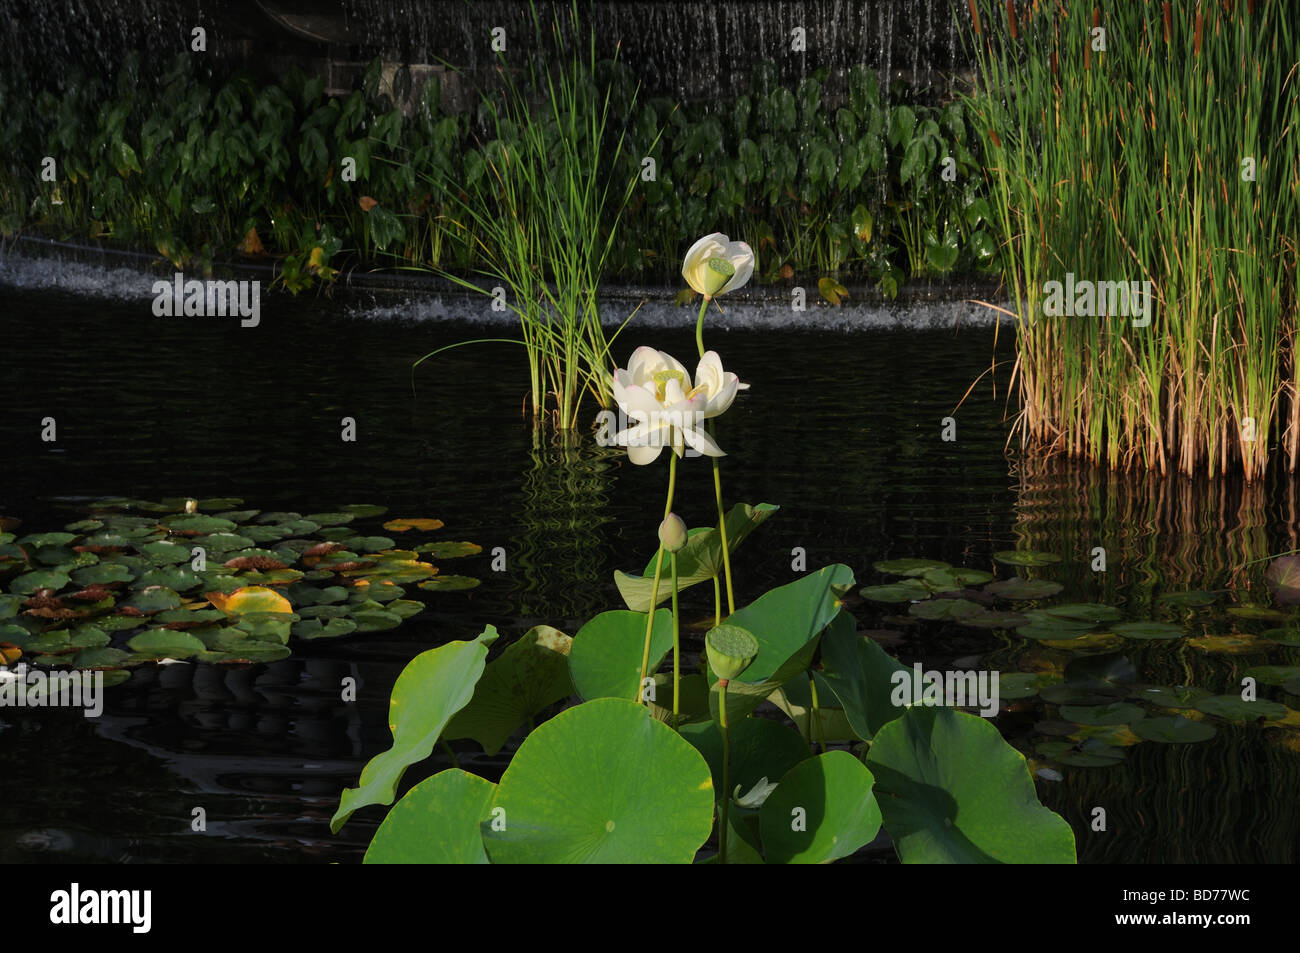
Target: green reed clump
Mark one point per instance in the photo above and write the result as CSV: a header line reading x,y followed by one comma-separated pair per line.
x,y
1149,142
545,211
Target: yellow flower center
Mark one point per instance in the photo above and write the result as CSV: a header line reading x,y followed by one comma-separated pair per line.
x,y
661,379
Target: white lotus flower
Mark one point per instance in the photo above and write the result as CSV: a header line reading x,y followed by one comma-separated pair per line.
x,y
715,265
656,391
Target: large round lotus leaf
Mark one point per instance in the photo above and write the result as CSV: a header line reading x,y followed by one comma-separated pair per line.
x,y
29,582
364,510
328,519
1257,612
246,652
1090,612
376,620
199,525
157,599
1174,730
530,675
945,609
961,794
1019,589
41,540
1148,630
910,567
576,791
166,643
449,583
1235,708
606,654
1191,599
450,549
436,822
1229,644
405,525
947,580
166,553
822,809
1119,713
1025,557
760,748
909,590
250,599
219,543
1273,674
173,577
100,658
329,629
1170,696
434,686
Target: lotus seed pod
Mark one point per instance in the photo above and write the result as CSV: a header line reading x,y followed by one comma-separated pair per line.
x,y
730,649
672,533
716,276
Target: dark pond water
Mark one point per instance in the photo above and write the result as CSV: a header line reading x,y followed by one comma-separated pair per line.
x,y
842,430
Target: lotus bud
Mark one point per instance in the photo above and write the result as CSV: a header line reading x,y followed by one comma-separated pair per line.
x,y
730,649
672,533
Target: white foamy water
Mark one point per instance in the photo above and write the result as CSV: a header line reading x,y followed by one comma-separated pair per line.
x,y
764,309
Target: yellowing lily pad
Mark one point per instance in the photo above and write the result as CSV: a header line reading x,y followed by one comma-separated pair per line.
x,y
250,599
404,525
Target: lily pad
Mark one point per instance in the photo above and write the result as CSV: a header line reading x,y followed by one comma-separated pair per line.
x,y
1174,730
1167,696
1025,557
1119,713
1191,599
166,643
329,629
249,599
909,590
1257,612
947,580
1090,612
1273,674
449,583
154,599
450,550
1015,685
29,582
199,525
376,620
1148,630
1019,589
910,567
945,609
1235,708
407,524
364,510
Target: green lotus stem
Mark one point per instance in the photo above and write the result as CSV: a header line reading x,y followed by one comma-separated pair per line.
x,y
451,754
717,482
699,326
722,531
717,601
816,715
726,773
677,647
654,586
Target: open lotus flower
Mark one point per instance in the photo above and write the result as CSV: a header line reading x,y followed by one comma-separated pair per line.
x,y
715,265
657,392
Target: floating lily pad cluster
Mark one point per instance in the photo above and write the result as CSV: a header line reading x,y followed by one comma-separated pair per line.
x,y
139,582
1100,707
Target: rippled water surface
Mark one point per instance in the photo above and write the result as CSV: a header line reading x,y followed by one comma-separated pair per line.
x,y
842,430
